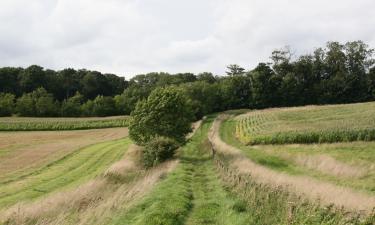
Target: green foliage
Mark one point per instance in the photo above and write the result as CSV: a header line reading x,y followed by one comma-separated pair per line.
x,y
25,105
166,112
104,106
338,73
37,103
6,104
158,150
72,106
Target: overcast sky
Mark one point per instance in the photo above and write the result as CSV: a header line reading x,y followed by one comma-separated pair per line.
x,y
129,37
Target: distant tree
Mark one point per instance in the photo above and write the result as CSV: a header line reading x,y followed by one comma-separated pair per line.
x,y
37,103
87,108
9,80
235,92
203,97
116,84
25,105
104,106
234,70
371,84
31,78
71,107
166,112
264,86
44,103
206,76
69,80
94,84
6,104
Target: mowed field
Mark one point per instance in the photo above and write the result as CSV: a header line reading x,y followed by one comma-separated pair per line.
x,y
95,176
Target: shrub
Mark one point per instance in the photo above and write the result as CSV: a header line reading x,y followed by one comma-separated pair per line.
x,y
158,150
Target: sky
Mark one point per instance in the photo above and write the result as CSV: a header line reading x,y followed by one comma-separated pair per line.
x,y
129,37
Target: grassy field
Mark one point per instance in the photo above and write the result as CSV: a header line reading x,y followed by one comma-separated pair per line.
x,y
311,124
23,152
73,169
45,124
344,164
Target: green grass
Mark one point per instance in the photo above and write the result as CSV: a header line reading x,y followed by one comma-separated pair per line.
x,y
71,170
311,124
192,194
49,124
354,154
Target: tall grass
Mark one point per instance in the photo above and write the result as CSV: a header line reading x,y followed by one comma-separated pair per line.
x,y
276,205
311,124
48,124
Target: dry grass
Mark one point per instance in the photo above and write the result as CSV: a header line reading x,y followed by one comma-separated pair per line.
x,y
313,189
96,200
23,151
326,164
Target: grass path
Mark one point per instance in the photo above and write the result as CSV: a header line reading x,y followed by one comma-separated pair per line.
x,y
192,194
71,170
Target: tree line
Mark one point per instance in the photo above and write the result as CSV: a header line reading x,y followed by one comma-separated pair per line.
x,y
336,73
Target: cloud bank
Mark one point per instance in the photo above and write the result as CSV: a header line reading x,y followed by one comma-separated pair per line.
x,y
128,37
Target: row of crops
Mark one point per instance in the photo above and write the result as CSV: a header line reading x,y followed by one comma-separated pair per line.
x,y
63,124
314,124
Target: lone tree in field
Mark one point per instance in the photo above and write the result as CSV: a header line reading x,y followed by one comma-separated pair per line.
x,y
165,113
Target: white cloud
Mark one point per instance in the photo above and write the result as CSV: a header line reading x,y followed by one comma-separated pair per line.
x,y
136,36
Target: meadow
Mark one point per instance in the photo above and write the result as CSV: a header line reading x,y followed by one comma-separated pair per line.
x,y
311,124
51,124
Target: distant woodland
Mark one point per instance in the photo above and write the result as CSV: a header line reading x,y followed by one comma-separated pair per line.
x,y
336,73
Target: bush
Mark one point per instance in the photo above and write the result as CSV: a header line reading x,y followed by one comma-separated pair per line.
x,y
6,104
158,150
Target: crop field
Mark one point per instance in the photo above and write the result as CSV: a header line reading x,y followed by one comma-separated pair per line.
x,y
96,177
23,152
50,124
311,124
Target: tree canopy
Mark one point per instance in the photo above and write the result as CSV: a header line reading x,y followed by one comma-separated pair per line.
x,y
165,113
